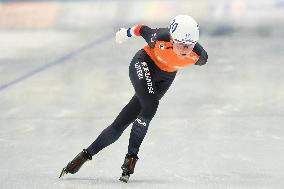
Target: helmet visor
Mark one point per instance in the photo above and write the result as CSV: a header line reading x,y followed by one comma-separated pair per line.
x,y
183,49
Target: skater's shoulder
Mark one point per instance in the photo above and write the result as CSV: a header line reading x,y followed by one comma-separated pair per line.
x,y
163,34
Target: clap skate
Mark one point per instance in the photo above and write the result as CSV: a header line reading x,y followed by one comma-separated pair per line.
x,y
74,165
128,167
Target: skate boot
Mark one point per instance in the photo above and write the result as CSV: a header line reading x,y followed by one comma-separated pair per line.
x,y
74,165
128,167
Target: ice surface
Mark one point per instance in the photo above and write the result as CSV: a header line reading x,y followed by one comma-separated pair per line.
x,y
219,125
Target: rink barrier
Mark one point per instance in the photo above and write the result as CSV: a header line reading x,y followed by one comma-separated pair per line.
x,y
28,15
93,14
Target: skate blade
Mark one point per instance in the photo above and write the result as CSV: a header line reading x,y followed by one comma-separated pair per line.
x,y
63,172
124,178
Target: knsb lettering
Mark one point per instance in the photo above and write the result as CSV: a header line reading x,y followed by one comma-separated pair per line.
x,y
139,70
148,78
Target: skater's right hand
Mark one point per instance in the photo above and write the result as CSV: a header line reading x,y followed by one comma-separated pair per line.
x,y
121,35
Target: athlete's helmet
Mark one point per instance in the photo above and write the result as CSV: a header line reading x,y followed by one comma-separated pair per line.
x,y
184,29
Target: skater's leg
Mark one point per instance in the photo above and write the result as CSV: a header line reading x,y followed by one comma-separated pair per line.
x,y
163,85
146,93
159,82
114,131
127,115
143,77
140,125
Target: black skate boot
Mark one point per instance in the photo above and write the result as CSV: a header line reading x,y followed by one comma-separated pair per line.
x,y
128,167
74,165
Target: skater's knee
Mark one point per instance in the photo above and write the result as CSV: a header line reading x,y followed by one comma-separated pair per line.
x,y
150,104
149,109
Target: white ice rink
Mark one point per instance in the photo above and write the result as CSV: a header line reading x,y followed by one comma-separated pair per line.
x,y
220,126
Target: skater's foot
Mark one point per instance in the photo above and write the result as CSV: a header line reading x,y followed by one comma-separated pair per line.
x,y
128,167
124,177
74,165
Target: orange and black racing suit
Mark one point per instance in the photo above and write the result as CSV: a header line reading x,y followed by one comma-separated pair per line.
x,y
151,71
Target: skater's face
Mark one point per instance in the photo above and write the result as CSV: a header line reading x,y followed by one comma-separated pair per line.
x,y
183,50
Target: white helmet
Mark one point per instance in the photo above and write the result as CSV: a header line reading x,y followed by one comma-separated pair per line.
x,y
184,29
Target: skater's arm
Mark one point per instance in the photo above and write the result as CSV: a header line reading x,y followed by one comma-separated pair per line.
x,y
138,30
150,35
203,56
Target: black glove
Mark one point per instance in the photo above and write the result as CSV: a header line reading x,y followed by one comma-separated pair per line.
x,y
201,61
203,56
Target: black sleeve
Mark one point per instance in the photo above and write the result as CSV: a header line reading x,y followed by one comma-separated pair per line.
x,y
150,35
203,56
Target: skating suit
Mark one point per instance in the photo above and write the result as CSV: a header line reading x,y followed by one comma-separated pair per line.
x,y
151,71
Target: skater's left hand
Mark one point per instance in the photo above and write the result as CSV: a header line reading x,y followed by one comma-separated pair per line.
x,y
121,35
203,56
